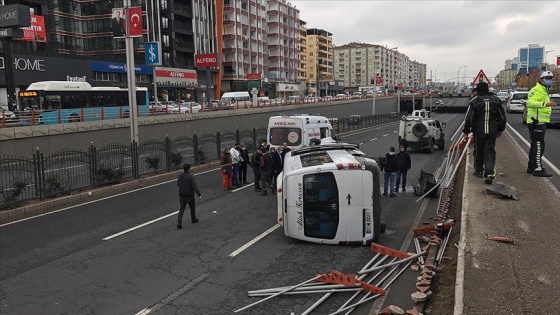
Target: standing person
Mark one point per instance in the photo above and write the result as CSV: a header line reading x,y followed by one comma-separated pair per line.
x,y
187,189
391,168
256,165
235,160
404,166
473,93
276,164
227,169
266,172
283,152
539,109
265,145
244,162
487,120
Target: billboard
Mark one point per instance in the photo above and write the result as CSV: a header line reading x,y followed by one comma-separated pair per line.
x,y
206,60
174,77
36,32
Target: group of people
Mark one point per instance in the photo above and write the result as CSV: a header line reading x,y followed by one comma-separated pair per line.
x,y
396,169
267,162
486,119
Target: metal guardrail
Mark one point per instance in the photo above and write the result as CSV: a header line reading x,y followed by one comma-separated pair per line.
x,y
45,175
34,117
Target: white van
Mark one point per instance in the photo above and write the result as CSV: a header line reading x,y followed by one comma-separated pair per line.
x,y
236,98
330,194
298,130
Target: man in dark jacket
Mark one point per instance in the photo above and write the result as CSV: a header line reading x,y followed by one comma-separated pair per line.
x,y
391,168
187,189
256,165
285,150
487,120
243,164
266,171
404,167
276,164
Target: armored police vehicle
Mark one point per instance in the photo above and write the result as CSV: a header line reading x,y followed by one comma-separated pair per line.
x,y
420,131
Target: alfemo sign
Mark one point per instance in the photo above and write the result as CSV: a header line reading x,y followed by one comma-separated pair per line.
x,y
26,64
15,15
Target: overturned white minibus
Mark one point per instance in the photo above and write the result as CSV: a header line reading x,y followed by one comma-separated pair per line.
x,y
330,194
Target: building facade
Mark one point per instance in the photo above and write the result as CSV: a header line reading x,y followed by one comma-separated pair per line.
x,y
531,58
302,46
79,45
358,64
244,42
319,59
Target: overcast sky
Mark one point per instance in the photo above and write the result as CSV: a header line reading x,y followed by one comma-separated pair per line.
x,y
477,34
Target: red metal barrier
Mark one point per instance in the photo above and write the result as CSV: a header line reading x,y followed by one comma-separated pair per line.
x,y
3,119
102,113
120,112
82,114
59,119
179,107
33,117
190,108
166,109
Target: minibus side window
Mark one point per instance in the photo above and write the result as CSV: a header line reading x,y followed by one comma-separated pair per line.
x,y
320,205
324,132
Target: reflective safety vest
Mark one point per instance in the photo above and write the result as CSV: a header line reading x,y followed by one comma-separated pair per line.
x,y
536,104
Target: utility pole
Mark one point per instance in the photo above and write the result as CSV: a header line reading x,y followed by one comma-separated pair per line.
x,y
131,77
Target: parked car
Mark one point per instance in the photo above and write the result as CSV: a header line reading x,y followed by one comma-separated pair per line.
x,y
10,119
369,94
293,100
515,102
327,98
356,95
503,96
341,96
186,108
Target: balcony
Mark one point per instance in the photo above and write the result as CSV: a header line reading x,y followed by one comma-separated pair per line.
x,y
184,10
183,28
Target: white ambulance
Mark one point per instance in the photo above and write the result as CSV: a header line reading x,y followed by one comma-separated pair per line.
x,y
298,130
330,194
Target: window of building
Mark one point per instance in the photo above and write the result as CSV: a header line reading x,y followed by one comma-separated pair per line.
x,y
163,4
164,22
166,40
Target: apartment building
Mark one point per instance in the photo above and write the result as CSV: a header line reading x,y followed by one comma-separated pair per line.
x,y
319,59
358,64
205,42
244,42
302,45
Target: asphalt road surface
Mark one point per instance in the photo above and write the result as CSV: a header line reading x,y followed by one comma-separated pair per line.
x,y
124,254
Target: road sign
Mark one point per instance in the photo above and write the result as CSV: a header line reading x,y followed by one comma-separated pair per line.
x,y
153,54
378,80
480,77
400,86
254,84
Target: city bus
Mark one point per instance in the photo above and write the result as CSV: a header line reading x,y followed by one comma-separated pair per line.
x,y
56,102
330,194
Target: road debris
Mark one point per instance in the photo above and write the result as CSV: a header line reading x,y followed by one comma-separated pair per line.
x,y
503,190
503,239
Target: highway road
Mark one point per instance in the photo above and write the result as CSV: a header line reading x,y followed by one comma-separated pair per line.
x,y
124,255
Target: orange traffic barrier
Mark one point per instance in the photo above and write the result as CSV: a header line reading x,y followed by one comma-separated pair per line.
x,y
379,249
348,280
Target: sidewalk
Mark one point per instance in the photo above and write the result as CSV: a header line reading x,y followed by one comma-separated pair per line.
x,y
500,278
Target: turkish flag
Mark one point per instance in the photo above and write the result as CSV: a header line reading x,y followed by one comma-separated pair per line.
x,y
134,19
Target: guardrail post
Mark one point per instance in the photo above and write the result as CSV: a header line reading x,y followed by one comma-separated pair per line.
x,y
102,113
37,172
237,135
135,158
42,176
218,144
120,112
195,148
81,114
59,119
92,157
168,152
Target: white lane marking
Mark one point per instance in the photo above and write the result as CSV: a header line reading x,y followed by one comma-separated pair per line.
x,y
97,200
173,295
139,226
395,131
253,241
385,135
450,117
361,143
547,161
373,139
246,186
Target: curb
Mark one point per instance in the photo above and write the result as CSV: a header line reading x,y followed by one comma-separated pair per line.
x,y
46,205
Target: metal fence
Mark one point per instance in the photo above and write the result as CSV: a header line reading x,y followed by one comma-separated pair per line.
x,y
69,169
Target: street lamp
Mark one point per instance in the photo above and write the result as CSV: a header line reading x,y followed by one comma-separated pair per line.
x,y
458,75
465,77
435,75
545,57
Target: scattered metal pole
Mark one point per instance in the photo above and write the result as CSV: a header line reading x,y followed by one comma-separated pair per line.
x,y
326,296
277,294
418,250
393,263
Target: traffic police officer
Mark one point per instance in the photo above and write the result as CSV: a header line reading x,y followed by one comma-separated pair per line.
x,y
539,109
